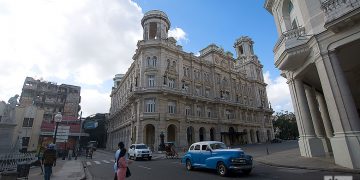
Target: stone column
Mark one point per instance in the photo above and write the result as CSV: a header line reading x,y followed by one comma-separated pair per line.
x,y
316,117
310,146
248,138
304,109
324,115
325,118
342,111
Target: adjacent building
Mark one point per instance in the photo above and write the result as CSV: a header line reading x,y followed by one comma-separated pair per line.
x,y
317,53
39,102
188,98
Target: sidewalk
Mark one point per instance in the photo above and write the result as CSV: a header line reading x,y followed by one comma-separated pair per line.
x,y
291,159
64,169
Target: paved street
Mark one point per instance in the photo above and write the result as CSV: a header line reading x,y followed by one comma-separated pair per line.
x,y
101,167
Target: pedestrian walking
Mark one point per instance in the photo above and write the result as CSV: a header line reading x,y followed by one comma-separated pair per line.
x,y
122,165
121,152
117,153
49,160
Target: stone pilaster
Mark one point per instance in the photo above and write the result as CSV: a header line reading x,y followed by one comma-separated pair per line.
x,y
316,117
310,146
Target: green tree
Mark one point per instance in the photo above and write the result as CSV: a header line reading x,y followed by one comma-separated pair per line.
x,y
285,126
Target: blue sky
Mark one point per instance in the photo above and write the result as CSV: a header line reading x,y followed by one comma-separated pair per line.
x,y
87,42
214,21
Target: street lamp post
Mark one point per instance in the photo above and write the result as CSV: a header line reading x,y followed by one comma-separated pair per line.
x,y
80,131
58,119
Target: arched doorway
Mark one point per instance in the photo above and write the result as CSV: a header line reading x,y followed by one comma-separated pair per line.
x,y
171,133
149,136
252,136
212,134
202,134
268,135
190,135
258,136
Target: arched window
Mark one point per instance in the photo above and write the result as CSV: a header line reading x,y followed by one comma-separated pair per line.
x,y
288,19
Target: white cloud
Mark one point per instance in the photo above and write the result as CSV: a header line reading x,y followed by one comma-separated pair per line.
x,y
82,42
95,101
278,93
179,34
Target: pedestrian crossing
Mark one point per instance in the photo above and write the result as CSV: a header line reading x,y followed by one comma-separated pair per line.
x,y
104,161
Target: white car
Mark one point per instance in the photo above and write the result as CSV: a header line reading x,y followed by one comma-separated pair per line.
x,y
139,151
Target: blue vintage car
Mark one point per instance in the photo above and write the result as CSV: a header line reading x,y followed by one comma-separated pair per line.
x,y
215,155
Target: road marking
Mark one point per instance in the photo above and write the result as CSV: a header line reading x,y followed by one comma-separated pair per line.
x,y
112,160
105,161
88,163
157,157
96,162
145,167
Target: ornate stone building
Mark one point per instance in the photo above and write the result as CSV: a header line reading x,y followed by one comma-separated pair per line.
x,y
188,98
317,50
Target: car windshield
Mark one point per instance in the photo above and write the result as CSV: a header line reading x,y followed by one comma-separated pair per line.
x,y
141,147
218,146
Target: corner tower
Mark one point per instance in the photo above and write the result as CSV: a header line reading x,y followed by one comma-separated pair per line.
x,y
247,60
156,25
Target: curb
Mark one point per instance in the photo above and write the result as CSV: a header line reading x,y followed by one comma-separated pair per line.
x,y
87,175
309,168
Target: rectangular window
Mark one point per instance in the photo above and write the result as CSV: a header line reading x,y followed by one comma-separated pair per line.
x,y
209,113
151,79
25,141
150,105
171,107
171,83
0,118
229,114
207,92
28,122
197,91
198,111
187,111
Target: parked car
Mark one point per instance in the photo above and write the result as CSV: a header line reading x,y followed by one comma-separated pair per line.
x,y
215,155
276,140
139,151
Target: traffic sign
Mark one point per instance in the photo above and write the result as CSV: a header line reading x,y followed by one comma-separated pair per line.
x,y
90,124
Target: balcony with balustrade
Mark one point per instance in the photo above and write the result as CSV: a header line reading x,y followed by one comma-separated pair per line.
x,y
291,49
340,13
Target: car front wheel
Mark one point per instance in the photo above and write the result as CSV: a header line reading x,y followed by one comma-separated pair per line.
x,y
247,171
188,165
221,169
